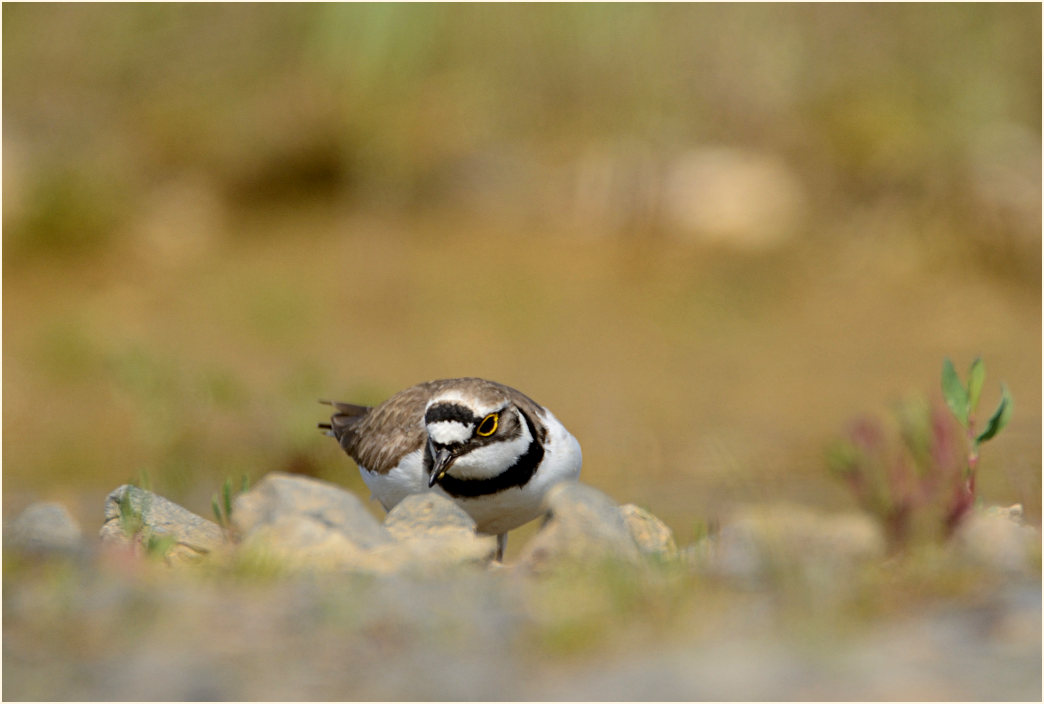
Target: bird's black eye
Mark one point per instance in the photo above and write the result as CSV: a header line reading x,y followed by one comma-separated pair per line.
x,y
488,426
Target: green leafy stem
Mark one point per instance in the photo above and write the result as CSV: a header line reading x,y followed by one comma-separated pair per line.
x,y
963,400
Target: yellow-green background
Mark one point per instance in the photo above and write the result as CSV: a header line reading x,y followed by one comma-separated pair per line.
x,y
216,214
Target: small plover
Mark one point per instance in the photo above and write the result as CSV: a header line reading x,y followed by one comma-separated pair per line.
x,y
490,448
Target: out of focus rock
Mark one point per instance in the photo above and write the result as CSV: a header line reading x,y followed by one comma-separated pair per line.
x,y
762,541
1013,513
433,553
422,515
44,527
133,514
584,525
738,198
312,524
650,533
431,532
997,538
307,522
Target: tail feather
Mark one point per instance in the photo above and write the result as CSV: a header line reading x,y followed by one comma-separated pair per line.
x,y
347,409
342,423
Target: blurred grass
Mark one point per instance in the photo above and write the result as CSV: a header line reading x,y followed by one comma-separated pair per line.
x,y
216,214
930,109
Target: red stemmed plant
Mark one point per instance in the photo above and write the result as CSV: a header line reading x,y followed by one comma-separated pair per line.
x,y
919,471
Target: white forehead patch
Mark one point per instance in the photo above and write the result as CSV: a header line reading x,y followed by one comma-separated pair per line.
x,y
466,400
448,432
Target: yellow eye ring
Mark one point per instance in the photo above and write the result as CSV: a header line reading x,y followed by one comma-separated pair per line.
x,y
488,426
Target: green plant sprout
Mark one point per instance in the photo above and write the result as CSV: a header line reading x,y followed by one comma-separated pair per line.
x,y
917,473
222,505
963,401
131,519
132,522
159,544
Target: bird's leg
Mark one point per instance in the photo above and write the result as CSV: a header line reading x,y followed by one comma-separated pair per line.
x,y
501,546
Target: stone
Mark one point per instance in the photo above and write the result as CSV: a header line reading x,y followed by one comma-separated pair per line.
x,y
650,533
44,527
743,199
423,514
584,525
1013,513
426,554
996,538
432,532
133,514
765,540
307,522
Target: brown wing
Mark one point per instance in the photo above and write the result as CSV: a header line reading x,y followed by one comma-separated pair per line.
x,y
342,423
378,438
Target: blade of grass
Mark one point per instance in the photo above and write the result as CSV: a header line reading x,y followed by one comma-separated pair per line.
x,y
226,495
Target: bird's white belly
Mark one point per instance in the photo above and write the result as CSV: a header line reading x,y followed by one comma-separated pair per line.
x,y
408,477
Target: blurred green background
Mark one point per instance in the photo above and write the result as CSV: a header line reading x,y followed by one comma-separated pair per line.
x,y
706,236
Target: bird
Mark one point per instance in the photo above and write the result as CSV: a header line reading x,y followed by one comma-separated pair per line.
x,y
488,447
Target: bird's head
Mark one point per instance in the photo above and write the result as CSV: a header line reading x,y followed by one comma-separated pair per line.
x,y
475,438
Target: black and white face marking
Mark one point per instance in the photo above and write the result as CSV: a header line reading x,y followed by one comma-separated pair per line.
x,y
450,424
490,453
454,430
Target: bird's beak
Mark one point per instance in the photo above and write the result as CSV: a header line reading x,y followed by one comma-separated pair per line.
x,y
443,460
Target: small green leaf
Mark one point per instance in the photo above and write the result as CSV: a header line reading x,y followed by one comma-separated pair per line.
x,y
954,392
1000,417
976,377
226,494
217,510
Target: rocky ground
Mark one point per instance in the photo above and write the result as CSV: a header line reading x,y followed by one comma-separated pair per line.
x,y
300,593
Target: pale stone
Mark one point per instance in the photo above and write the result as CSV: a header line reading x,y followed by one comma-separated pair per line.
x,y
584,525
433,533
763,539
438,552
650,533
420,514
996,538
744,199
132,513
307,522
42,528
